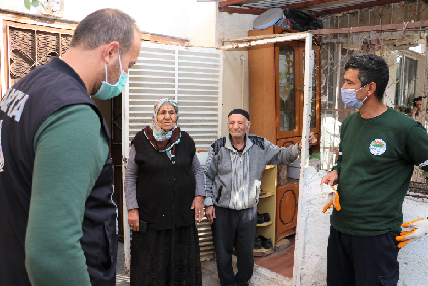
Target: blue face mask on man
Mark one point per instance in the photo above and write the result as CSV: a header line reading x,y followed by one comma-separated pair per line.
x,y
349,97
107,90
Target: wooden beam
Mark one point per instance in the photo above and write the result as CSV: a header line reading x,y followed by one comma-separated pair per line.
x,y
229,9
355,7
44,20
231,2
377,28
251,38
163,39
282,38
23,25
306,4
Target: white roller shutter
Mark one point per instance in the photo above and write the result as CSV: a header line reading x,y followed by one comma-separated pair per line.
x,y
193,77
190,75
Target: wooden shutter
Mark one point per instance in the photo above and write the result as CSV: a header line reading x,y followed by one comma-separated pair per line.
x,y
30,46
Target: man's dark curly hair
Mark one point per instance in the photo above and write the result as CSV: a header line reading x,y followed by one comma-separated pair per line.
x,y
371,68
419,98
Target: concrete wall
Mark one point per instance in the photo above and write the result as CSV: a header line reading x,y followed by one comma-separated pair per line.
x,y
235,69
413,258
198,22
186,19
389,96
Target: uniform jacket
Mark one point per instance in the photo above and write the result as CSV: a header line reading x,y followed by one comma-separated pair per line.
x,y
24,108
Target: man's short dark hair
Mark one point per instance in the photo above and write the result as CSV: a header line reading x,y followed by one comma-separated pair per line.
x,y
104,26
371,68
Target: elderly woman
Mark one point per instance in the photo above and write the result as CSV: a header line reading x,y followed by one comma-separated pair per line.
x,y
164,188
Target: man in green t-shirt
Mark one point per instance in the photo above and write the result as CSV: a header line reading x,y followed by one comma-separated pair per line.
x,y
378,149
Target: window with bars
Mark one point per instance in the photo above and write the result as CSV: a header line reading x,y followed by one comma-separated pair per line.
x,y
30,46
189,75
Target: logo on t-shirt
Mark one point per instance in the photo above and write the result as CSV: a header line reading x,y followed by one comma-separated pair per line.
x,y
377,147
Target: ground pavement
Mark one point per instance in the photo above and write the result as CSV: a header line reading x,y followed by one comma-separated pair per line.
x,y
261,276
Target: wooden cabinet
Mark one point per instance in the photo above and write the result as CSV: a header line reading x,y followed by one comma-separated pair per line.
x,y
267,204
287,198
276,75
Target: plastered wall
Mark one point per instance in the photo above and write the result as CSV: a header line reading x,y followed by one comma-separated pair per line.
x,y
187,19
413,258
198,22
235,64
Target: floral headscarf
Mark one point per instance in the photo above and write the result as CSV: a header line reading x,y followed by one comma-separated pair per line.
x,y
158,133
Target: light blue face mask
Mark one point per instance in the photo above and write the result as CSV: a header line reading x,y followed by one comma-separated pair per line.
x,y
108,91
349,97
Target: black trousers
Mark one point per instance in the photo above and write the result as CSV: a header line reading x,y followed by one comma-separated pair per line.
x,y
361,260
234,229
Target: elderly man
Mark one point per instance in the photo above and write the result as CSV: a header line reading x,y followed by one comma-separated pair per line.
x,y
233,173
378,148
57,216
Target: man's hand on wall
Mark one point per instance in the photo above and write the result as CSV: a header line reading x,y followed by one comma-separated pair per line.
x,y
210,213
420,228
312,140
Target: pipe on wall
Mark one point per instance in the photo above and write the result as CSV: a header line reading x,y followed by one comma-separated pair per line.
x,y
242,58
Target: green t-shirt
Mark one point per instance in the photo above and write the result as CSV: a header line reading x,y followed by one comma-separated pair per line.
x,y
71,149
375,164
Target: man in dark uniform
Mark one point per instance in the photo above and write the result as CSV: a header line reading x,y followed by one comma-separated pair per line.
x,y
57,217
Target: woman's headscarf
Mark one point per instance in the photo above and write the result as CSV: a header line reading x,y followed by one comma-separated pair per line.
x,y
158,133
161,140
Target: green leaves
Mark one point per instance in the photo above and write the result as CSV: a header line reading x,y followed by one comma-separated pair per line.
x,y
29,3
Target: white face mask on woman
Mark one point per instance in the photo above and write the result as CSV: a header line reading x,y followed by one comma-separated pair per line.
x,y
349,97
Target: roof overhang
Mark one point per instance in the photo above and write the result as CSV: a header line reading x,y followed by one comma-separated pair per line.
x,y
315,7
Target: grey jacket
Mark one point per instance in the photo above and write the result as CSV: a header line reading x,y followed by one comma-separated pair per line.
x,y
232,180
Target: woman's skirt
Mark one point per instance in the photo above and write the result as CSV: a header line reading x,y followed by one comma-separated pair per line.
x,y
166,257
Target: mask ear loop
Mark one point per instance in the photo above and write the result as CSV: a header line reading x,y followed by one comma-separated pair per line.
x,y
120,62
106,71
361,88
